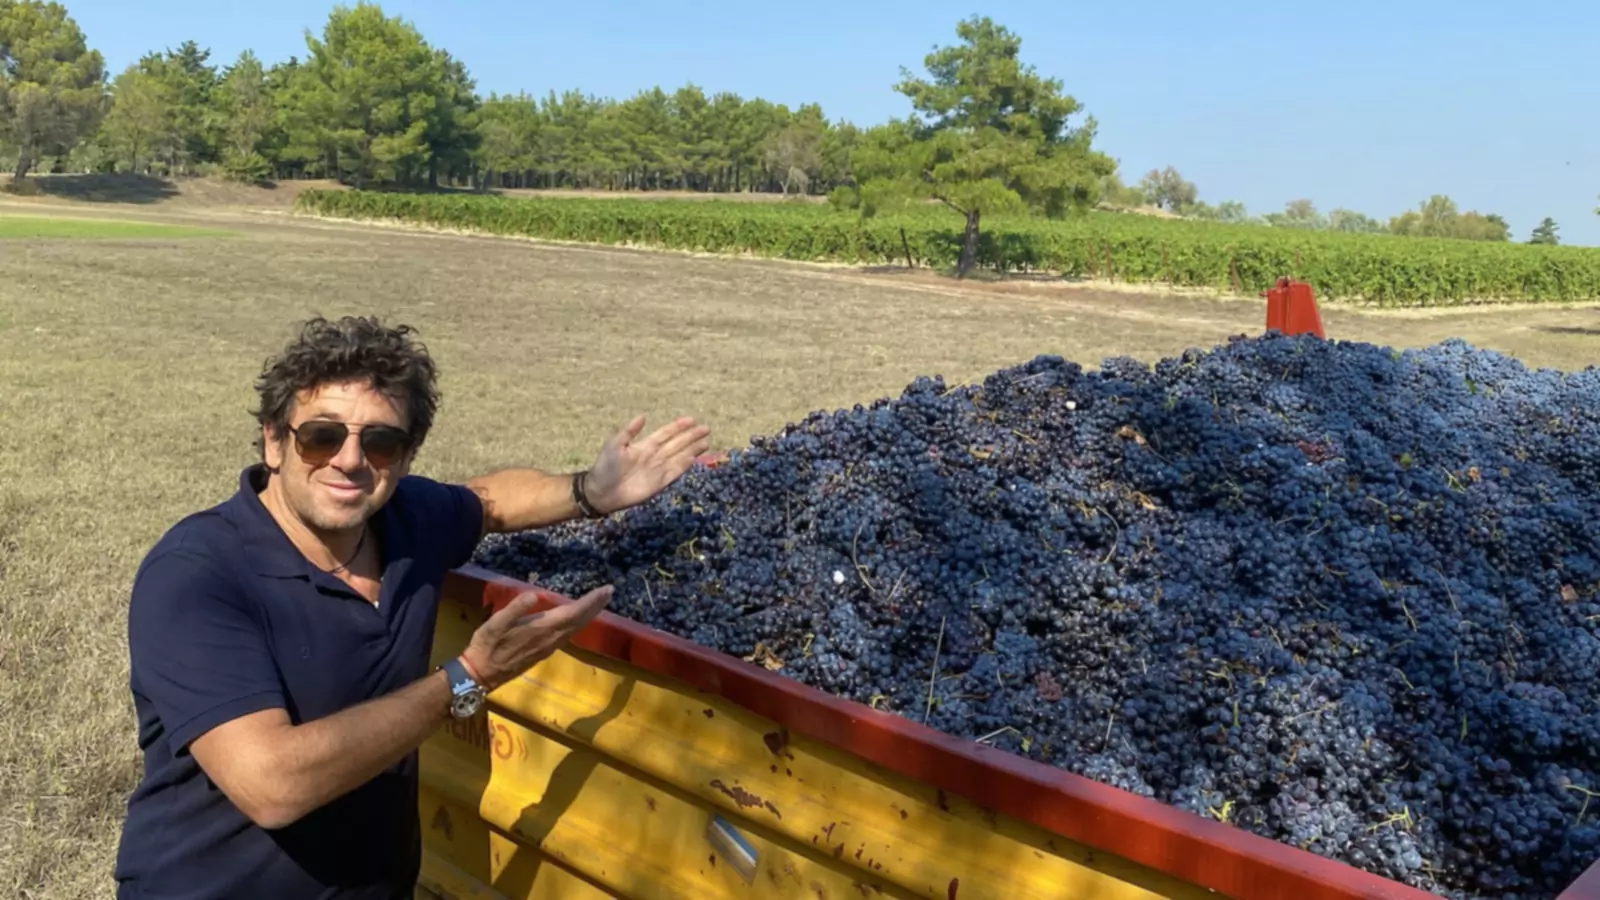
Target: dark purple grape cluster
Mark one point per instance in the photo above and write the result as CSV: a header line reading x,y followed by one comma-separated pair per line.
x,y
1335,594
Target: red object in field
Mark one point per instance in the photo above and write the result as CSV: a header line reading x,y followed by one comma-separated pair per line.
x,y
711,460
1292,309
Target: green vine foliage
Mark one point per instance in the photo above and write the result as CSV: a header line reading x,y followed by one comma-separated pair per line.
x,y
1380,270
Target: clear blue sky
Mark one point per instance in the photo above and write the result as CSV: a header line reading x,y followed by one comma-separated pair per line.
x,y
1366,105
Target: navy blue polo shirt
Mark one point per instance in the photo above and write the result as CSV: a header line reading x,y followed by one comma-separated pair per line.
x,y
228,618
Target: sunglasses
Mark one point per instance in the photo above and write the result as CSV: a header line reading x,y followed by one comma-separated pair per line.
x,y
320,441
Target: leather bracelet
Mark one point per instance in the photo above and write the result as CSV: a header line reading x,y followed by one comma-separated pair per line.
x,y
582,499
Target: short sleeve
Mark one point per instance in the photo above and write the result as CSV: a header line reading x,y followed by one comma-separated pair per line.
x,y
464,510
447,516
196,652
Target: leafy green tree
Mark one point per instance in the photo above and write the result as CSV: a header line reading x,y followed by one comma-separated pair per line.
x,y
248,112
191,83
509,139
142,124
1352,222
694,146
1114,193
1301,214
794,153
989,136
373,100
643,125
52,86
1407,224
838,143
1486,227
1439,216
289,155
1545,232
562,121
1230,211
755,121
1167,189
723,125
659,140
452,133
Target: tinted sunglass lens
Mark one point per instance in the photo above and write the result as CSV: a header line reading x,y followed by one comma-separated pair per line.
x,y
321,439
382,445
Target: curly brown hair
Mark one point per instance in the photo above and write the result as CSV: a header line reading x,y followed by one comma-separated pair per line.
x,y
353,347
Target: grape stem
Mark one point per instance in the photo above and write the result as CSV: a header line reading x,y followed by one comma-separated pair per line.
x,y
1587,796
1115,540
1311,712
1409,618
896,589
860,572
1449,593
996,733
934,675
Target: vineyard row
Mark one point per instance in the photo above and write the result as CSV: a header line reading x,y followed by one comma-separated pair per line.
x,y
1378,270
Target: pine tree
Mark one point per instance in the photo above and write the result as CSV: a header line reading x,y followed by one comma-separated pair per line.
x,y
52,86
990,135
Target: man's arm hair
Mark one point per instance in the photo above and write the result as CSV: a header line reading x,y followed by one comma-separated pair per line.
x,y
275,772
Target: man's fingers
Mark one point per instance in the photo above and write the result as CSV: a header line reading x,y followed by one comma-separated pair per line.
x,y
516,609
579,610
590,605
632,429
669,432
623,437
693,440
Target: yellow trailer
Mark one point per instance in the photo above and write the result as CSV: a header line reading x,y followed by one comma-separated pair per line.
x,y
636,764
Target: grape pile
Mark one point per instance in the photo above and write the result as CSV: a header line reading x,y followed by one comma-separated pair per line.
x,y
1339,595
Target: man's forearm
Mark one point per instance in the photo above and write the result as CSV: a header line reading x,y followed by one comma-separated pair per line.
x,y
334,755
296,769
525,498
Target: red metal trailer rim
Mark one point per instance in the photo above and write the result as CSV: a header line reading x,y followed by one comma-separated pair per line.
x,y
1200,851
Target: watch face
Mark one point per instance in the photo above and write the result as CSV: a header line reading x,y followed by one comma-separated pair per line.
x,y
465,706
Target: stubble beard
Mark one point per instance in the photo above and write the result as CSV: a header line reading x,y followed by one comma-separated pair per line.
x,y
325,515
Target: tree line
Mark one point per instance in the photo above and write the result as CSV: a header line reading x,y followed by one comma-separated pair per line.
x,y
373,103
1438,216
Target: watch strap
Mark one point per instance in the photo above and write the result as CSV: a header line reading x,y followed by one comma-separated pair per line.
x,y
461,680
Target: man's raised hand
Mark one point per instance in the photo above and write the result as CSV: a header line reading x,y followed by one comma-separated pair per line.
x,y
631,471
515,638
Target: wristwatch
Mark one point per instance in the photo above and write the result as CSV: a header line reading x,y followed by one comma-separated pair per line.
x,y
466,694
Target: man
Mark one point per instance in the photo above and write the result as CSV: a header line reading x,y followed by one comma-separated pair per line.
x,y
280,641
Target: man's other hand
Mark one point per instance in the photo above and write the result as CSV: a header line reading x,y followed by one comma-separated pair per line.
x,y
631,471
515,638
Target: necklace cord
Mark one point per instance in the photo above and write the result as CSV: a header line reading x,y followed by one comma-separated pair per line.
x,y
357,552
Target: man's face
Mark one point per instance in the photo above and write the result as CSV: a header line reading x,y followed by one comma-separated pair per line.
x,y
340,494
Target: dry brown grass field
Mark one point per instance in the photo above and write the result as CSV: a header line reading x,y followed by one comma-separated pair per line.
x,y
126,369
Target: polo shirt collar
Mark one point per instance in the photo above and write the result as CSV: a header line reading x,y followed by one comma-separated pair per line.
x,y
266,546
